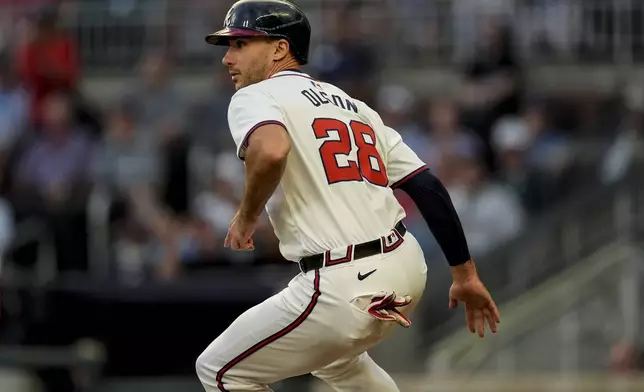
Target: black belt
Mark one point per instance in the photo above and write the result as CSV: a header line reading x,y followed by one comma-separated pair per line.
x,y
359,251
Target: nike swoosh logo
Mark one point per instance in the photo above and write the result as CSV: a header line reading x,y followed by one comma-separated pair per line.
x,y
365,276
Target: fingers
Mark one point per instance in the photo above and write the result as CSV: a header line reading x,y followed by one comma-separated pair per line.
x,y
495,312
477,317
480,322
490,320
240,247
246,246
228,240
492,315
381,302
401,319
388,301
478,313
402,301
469,317
236,244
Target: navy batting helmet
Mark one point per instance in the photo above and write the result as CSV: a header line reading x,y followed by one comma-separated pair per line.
x,y
269,18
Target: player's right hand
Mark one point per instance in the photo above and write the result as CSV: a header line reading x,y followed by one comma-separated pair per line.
x,y
479,305
240,234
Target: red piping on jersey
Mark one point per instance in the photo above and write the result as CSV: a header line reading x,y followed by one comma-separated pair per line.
x,y
244,143
408,176
279,334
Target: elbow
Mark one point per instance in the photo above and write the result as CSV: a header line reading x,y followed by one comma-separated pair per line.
x,y
420,178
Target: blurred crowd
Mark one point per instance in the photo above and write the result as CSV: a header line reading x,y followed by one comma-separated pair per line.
x,y
114,32
165,165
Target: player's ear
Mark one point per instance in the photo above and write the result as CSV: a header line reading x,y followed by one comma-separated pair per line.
x,y
281,49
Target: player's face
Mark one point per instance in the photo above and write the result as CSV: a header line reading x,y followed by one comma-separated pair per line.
x,y
247,60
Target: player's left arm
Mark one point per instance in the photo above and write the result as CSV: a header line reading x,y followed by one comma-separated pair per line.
x,y
410,175
407,172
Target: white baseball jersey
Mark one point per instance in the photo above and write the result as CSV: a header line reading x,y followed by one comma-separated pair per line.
x,y
337,185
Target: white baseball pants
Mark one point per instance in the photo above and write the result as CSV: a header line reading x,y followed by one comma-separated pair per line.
x,y
316,325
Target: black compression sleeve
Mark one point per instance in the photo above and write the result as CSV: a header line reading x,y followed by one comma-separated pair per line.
x,y
434,203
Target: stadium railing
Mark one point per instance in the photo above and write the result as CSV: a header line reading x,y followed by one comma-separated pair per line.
x,y
565,326
99,245
43,272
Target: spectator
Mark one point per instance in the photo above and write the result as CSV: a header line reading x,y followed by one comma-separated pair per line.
x,y
196,244
491,214
550,26
12,11
127,169
48,63
53,168
419,24
6,229
14,113
207,125
217,203
396,106
162,114
626,147
512,143
347,60
196,16
127,157
208,120
447,137
162,105
52,179
550,149
13,120
467,18
492,82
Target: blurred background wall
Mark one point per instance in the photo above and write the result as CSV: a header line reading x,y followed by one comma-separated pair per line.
x,y
118,179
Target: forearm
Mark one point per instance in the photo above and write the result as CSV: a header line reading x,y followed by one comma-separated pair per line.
x,y
263,175
435,205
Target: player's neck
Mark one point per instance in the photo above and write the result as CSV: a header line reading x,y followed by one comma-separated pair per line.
x,y
283,66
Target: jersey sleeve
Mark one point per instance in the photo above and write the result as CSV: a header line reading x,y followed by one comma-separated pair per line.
x,y
400,160
250,109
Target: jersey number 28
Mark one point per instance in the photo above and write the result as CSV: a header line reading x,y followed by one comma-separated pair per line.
x,y
369,165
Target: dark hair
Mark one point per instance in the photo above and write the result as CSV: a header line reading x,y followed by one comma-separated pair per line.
x,y
46,17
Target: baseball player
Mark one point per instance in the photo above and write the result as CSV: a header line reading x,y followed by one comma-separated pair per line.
x,y
324,166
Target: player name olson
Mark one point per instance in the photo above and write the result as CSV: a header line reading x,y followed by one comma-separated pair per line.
x,y
319,98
